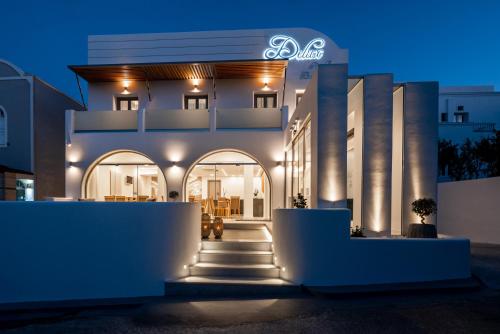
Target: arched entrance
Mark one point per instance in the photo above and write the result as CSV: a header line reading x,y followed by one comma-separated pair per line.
x,y
124,176
230,183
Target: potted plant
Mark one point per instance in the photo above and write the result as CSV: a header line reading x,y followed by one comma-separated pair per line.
x,y
357,232
423,207
173,195
299,202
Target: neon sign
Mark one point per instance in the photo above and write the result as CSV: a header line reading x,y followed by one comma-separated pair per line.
x,y
285,47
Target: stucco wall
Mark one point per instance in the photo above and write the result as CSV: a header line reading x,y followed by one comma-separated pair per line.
x,y
470,209
15,98
49,112
313,247
76,250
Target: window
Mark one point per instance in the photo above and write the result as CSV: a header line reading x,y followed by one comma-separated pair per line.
x,y
192,102
460,108
444,117
461,117
265,100
3,127
127,103
298,98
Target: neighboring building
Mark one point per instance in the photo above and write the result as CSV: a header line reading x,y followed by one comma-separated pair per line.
x,y
32,145
245,120
468,112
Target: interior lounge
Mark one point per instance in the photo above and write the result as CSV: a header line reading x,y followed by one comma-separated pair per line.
x,y
230,184
126,177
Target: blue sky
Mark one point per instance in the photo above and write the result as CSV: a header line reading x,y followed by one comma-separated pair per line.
x,y
454,42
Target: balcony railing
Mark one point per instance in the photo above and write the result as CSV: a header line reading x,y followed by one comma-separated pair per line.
x,y
178,120
474,126
249,118
157,120
109,121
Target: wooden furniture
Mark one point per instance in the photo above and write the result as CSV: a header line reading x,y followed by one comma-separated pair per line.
x,y
258,207
120,198
191,198
223,209
235,206
142,198
211,206
109,198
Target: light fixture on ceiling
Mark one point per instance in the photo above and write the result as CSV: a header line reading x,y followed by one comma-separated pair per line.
x,y
125,91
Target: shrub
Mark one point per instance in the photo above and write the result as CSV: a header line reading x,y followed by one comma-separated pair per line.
x,y
299,202
424,207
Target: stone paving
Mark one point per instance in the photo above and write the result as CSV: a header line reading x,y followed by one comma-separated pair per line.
x,y
463,311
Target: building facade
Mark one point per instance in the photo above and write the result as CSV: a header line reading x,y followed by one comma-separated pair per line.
x,y
468,112
246,121
32,136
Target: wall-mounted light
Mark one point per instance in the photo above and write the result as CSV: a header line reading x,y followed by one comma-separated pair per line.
x,y
126,84
266,87
71,164
279,163
196,84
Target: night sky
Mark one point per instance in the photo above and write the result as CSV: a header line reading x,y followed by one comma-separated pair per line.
x,y
454,42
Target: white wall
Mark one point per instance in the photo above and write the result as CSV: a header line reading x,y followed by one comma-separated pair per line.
x,y
470,209
85,250
314,247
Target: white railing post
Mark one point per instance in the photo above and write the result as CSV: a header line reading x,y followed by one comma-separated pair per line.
x,y
213,117
141,123
284,117
69,125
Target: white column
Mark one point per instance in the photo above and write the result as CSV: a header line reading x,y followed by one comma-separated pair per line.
x,y
248,191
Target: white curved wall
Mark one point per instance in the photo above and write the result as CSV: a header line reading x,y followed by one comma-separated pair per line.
x,y
87,250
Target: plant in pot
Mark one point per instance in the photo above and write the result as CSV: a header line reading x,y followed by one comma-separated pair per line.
x,y
299,202
423,207
173,195
357,232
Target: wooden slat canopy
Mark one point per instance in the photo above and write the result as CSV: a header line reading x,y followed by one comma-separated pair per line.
x,y
182,71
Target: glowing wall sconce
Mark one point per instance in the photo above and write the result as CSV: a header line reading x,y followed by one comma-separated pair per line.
x,y
71,164
196,84
126,84
266,87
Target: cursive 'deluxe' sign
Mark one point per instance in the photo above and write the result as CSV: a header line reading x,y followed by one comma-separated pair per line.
x,y
286,47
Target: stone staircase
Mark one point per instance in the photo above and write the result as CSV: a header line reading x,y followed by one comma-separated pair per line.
x,y
242,263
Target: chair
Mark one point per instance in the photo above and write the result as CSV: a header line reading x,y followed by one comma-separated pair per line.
x,y
211,206
223,209
109,198
204,206
142,198
120,198
191,198
235,206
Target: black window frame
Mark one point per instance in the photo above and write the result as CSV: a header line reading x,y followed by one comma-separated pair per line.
x,y
197,98
129,99
265,95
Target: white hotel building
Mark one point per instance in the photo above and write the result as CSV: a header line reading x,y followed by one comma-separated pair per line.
x,y
255,116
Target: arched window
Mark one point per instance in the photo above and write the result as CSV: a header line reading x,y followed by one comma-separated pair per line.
x,y
3,127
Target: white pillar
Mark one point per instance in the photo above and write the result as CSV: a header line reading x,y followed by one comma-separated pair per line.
x,y
248,191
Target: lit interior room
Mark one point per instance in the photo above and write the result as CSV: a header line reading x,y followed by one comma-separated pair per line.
x,y
126,177
232,185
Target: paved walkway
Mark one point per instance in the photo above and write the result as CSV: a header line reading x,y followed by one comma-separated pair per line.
x,y
474,311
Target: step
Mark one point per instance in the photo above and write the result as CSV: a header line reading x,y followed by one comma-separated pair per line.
x,y
230,287
234,270
237,225
237,245
241,257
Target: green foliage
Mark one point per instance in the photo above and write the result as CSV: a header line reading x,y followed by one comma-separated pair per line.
x,y
173,194
424,207
357,232
299,202
470,160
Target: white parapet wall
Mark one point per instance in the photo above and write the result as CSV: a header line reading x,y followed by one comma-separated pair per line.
x,y
87,250
313,247
470,209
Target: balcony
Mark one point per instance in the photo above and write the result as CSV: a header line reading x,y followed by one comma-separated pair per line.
x,y
179,119
105,121
249,118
